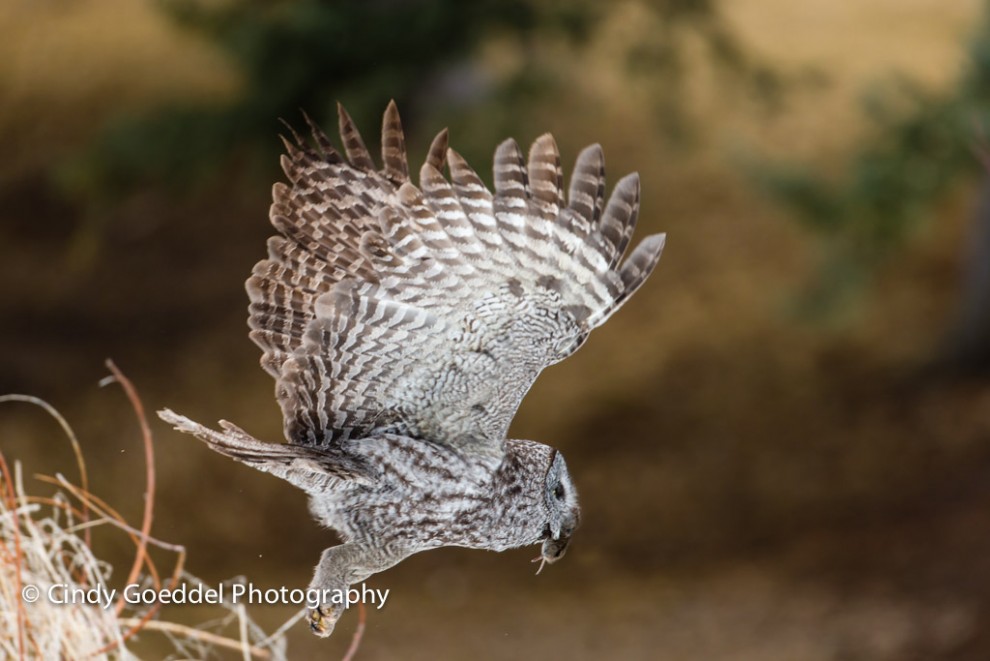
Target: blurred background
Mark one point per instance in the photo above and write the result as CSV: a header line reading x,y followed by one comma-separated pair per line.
x,y
782,442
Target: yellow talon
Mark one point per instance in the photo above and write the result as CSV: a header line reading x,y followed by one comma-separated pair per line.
x,y
322,621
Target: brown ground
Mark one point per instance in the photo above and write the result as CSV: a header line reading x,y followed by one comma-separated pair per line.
x,y
754,487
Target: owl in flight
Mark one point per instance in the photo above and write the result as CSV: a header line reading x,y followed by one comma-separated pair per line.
x,y
403,324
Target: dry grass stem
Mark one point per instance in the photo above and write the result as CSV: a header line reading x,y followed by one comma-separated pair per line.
x,y
45,543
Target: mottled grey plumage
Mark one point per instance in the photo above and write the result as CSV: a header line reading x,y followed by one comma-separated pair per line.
x,y
403,326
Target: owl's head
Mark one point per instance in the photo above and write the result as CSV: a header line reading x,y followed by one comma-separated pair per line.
x,y
563,511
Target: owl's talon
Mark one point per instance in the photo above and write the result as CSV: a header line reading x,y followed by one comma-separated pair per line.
x,y
322,620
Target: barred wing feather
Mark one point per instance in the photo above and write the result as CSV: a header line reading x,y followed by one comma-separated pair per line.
x,y
429,311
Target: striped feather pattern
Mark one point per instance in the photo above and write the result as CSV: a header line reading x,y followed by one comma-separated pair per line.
x,y
429,310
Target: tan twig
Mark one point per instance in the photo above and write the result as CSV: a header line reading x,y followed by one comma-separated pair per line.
x,y
358,633
11,498
288,624
69,433
242,626
198,634
149,458
113,517
52,551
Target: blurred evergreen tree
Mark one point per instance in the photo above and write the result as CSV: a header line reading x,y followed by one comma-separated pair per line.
x,y
920,146
297,55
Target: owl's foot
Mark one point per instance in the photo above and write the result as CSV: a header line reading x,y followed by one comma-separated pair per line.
x,y
341,567
323,619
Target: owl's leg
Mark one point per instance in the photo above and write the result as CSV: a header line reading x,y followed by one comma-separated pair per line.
x,y
340,567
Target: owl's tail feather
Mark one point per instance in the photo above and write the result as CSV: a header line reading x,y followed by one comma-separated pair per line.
x,y
312,469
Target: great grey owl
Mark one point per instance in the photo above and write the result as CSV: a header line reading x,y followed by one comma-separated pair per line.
x,y
404,324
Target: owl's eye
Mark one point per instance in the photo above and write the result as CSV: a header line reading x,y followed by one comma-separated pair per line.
x,y
558,491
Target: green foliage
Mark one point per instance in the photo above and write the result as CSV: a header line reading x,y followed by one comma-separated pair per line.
x,y
294,55
660,63
305,54
919,146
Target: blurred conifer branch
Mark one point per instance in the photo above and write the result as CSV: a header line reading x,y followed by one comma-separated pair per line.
x,y
307,54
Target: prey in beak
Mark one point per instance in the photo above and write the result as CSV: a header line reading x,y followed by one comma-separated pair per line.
x,y
554,546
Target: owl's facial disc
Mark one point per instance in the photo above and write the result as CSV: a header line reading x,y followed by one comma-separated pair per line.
x,y
563,512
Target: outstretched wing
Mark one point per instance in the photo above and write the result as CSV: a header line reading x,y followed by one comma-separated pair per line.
x,y
429,311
